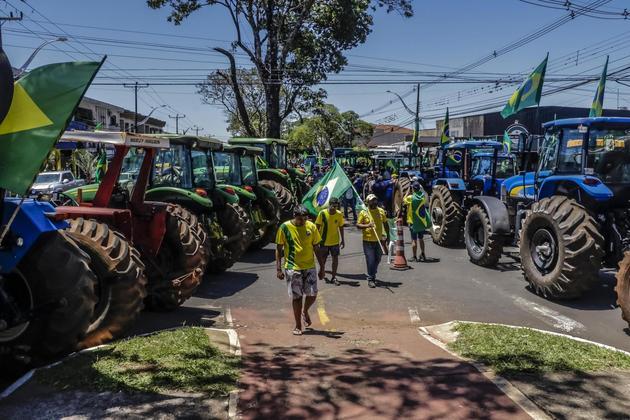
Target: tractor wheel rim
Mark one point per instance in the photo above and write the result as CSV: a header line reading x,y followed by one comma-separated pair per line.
x,y
437,217
23,292
544,250
477,236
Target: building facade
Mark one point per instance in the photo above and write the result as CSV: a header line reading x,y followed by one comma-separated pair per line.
x,y
92,113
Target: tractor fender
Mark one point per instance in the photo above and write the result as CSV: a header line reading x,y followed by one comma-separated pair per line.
x,y
274,175
227,196
590,186
497,213
33,219
453,184
241,192
88,192
260,190
179,196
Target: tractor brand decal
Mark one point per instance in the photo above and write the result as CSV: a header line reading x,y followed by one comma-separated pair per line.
x,y
574,143
522,191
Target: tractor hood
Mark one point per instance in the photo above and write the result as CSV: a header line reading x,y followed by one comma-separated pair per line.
x,y
241,192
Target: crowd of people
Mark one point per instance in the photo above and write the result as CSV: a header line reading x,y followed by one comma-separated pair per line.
x,y
301,244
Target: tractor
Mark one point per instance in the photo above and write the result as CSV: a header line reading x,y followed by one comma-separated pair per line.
x,y
168,238
185,174
571,216
288,184
259,202
467,170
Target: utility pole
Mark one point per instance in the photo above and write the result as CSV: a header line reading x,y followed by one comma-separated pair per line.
x,y
416,132
197,129
177,118
8,18
136,86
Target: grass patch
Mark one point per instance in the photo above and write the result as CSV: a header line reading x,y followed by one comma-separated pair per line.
x,y
182,360
510,351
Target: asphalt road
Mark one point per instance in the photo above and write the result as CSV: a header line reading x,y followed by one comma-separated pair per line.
x,y
449,289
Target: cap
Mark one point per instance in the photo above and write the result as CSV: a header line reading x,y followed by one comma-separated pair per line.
x,y
416,186
371,197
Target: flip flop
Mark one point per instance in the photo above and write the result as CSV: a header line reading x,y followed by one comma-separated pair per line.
x,y
307,322
297,331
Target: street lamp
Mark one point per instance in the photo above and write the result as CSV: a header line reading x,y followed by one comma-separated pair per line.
x,y
22,69
145,119
416,132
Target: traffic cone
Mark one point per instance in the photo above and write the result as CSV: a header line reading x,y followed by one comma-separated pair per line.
x,y
400,262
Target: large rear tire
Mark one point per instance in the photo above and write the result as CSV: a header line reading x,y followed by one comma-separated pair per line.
x,y
561,248
120,280
447,216
179,266
623,287
285,198
55,281
402,189
483,245
271,210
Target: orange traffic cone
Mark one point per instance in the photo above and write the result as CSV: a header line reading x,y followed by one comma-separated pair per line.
x,y
400,262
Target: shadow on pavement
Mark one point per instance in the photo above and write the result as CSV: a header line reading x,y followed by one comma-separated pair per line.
x,y
149,322
302,382
261,256
352,276
327,334
349,283
225,284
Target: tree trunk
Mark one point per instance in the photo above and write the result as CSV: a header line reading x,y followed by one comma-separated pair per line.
x,y
274,121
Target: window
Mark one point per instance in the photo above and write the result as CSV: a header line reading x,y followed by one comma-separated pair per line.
x,y
248,170
67,176
570,156
482,166
203,176
609,154
112,121
505,168
226,168
549,150
172,168
278,157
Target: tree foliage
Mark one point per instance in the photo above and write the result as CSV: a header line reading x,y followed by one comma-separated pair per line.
x,y
292,44
328,128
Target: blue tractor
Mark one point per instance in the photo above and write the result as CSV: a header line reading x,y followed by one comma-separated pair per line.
x,y
47,297
571,216
466,171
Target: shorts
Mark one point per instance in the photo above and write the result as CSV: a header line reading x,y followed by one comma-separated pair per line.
x,y
416,235
333,250
301,283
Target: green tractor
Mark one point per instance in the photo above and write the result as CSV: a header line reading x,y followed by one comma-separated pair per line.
x,y
288,184
259,201
185,175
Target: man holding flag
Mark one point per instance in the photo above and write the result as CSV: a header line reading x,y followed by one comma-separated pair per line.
x,y
373,222
417,219
330,224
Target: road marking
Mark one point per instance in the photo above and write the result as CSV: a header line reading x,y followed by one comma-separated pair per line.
x,y
321,310
413,315
549,316
228,317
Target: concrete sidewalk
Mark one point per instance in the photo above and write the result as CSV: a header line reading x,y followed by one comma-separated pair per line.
x,y
383,370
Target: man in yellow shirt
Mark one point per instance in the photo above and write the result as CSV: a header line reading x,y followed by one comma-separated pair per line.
x,y
297,241
330,224
417,219
373,223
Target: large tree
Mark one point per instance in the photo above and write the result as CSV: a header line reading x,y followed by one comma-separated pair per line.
x,y
327,129
217,90
292,43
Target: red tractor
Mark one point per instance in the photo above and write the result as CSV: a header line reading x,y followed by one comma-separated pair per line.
x,y
168,239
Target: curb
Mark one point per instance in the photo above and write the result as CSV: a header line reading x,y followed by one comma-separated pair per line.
x,y
503,384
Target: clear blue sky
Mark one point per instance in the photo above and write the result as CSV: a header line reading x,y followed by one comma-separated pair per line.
x,y
442,35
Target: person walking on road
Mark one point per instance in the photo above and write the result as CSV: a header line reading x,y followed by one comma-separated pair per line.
x,y
373,222
349,204
330,224
417,219
297,241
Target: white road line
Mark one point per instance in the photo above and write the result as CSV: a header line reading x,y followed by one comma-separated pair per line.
x,y
228,317
413,315
549,316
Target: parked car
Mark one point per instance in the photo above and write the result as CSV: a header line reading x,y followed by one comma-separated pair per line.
x,y
55,182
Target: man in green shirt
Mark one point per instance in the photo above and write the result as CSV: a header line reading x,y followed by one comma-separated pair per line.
x,y
417,219
330,224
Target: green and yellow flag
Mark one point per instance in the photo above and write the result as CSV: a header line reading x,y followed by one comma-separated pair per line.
x,y
528,94
507,143
101,165
598,102
334,184
446,131
43,103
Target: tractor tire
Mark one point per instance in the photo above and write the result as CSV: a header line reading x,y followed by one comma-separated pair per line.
x,y
199,231
55,281
271,210
402,189
449,214
179,266
623,287
284,196
120,280
483,245
561,248
235,221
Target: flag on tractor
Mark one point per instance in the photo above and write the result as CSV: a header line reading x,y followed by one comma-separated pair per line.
x,y
334,184
446,131
43,103
101,165
528,94
507,143
598,102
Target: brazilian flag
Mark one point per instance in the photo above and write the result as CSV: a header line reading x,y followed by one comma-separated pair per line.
x,y
446,131
598,102
507,143
419,215
42,105
101,165
528,94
